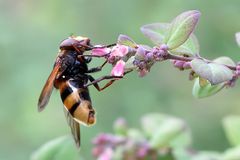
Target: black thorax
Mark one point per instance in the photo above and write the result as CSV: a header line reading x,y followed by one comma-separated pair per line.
x,y
75,70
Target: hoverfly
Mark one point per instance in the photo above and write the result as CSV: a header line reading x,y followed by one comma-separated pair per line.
x,y
70,75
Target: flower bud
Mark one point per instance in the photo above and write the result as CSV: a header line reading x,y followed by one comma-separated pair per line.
x,y
143,72
97,151
143,150
141,53
159,54
102,139
179,64
164,47
149,56
120,126
107,154
187,65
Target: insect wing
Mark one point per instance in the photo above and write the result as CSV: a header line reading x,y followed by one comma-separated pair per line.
x,y
48,87
75,127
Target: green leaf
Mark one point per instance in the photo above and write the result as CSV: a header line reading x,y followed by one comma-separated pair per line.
x,y
238,38
155,32
203,88
183,154
127,41
215,73
181,28
165,156
166,131
224,60
135,135
231,126
150,121
201,91
119,153
232,154
206,155
68,151
182,140
58,149
129,64
190,47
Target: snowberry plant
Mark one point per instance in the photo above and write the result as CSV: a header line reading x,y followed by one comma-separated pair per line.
x,y
176,42
161,136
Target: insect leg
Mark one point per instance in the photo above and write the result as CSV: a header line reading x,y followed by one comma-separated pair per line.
x,y
90,47
95,82
105,46
97,69
76,49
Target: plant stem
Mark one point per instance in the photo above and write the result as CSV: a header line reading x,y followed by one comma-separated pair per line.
x,y
188,59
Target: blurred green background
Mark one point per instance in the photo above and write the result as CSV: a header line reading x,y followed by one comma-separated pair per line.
x,y
30,32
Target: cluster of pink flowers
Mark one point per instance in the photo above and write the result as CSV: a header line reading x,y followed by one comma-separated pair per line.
x,y
125,58
114,56
120,145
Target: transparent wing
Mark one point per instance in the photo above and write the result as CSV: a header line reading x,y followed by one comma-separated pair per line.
x,y
48,87
74,125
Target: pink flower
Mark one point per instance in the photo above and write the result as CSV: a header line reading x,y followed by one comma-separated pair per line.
x,y
119,51
100,51
118,69
106,155
142,72
97,151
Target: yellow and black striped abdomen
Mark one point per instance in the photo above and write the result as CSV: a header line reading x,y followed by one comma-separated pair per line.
x,y
77,101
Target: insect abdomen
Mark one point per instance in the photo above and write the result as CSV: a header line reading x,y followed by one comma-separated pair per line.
x,y
77,102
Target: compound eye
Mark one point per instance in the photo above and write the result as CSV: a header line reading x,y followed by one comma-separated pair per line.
x,y
67,43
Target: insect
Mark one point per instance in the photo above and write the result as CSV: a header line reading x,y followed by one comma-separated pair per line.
x,y
70,75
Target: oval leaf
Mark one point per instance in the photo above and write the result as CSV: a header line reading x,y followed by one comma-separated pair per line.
x,y
232,154
181,28
59,148
166,133
215,73
190,47
150,121
165,130
155,32
207,155
127,41
135,135
238,38
224,60
183,154
231,126
206,90
182,140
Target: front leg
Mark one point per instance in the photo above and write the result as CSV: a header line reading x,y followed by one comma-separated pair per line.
x,y
95,82
96,69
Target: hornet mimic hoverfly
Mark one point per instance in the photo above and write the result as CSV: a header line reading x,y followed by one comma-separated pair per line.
x,y
70,75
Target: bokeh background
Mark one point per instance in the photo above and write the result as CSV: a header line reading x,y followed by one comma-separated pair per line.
x,y
31,30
